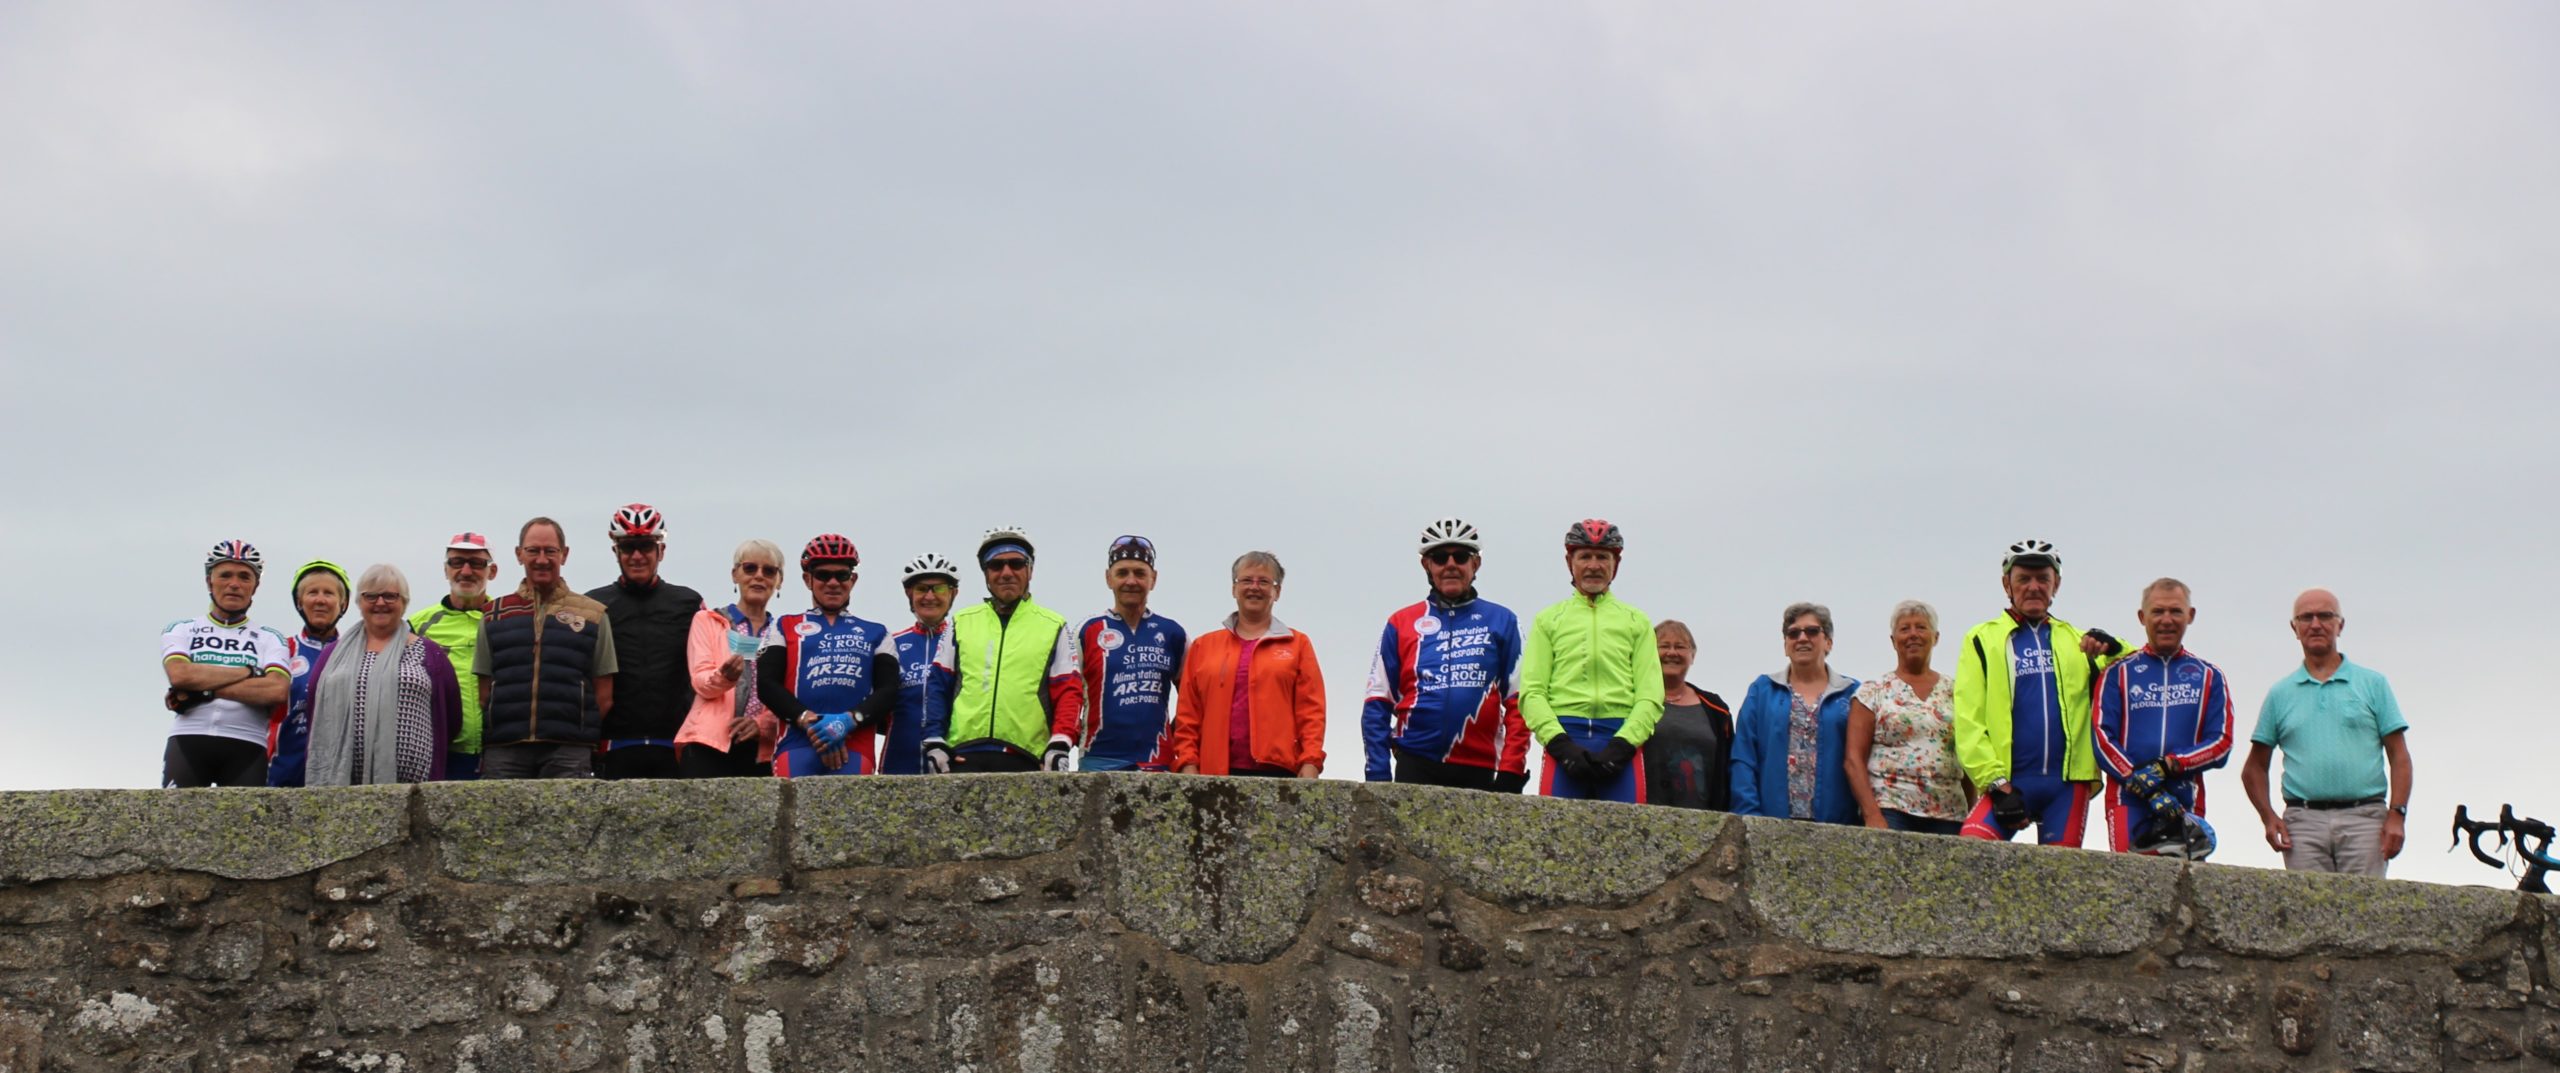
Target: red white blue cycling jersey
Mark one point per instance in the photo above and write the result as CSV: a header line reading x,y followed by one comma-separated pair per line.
x,y
829,668
205,641
2148,707
1445,685
289,726
1128,673
927,676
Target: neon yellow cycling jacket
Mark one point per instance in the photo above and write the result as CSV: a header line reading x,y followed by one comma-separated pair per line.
x,y
1012,674
1593,657
1985,683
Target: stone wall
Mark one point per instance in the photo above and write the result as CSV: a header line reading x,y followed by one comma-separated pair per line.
x,y
1143,924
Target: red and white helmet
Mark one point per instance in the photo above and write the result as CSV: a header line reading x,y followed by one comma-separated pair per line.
x,y
829,548
1595,533
236,551
638,520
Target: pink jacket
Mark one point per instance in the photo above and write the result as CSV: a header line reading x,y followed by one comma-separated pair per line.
x,y
706,647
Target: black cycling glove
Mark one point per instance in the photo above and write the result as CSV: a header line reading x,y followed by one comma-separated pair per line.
x,y
2114,647
2009,806
1572,759
1612,758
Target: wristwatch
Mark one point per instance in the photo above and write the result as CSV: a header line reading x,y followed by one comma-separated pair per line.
x,y
2401,811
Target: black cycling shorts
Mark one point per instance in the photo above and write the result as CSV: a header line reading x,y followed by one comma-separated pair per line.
x,y
208,760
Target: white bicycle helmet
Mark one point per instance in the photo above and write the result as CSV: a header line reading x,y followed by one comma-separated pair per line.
x,y
1451,531
1006,534
2030,553
929,564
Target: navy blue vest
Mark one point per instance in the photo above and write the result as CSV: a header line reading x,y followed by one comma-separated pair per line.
x,y
541,667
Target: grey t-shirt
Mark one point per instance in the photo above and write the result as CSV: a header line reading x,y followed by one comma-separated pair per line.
x,y
1680,758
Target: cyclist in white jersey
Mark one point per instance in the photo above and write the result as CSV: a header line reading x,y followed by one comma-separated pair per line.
x,y
225,675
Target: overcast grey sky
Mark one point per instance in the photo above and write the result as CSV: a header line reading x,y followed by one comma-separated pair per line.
x,y
1819,303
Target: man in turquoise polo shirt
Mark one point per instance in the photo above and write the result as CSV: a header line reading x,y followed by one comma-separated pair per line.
x,y
2338,725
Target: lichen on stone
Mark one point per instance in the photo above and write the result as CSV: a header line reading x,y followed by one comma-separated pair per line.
x,y
1223,869
2282,914
902,823
233,833
1894,894
1544,851
560,831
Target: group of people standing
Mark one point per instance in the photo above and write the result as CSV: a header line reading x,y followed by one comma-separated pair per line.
x,y
2040,716
641,678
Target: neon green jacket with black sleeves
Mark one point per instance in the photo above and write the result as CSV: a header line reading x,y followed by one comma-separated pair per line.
x,y
1592,657
1013,673
1985,684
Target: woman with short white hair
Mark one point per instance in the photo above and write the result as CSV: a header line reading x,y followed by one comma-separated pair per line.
x,y
728,733
1901,761
383,700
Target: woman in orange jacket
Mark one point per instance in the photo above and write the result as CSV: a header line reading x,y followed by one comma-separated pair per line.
x,y
1251,700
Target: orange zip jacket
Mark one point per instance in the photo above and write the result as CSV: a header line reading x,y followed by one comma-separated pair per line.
x,y
1284,696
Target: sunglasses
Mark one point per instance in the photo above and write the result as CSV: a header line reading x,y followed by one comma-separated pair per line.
x,y
1795,633
997,565
1445,556
636,547
760,569
1134,542
933,589
832,573
460,563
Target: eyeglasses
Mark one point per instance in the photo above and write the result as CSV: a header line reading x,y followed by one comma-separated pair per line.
x,y
1445,556
543,553
1256,583
379,597
2308,617
1000,565
831,573
460,563
636,547
760,569
1803,632
933,589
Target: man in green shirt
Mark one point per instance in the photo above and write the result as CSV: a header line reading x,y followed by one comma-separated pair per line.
x,y
1591,677
454,623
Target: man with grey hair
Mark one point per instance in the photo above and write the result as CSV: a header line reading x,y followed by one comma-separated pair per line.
x,y
1017,663
2163,720
454,623
1591,677
2339,726
546,663
1444,685
2022,703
